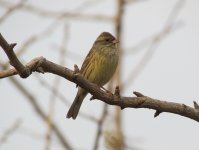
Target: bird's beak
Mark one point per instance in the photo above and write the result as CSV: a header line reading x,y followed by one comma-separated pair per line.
x,y
115,41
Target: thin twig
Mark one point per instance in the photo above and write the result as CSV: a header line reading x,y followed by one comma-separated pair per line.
x,y
15,126
99,129
66,14
12,9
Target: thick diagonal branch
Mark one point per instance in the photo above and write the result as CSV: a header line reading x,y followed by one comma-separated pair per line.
x,y
42,65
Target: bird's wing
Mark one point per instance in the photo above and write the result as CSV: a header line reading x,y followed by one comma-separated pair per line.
x,y
87,59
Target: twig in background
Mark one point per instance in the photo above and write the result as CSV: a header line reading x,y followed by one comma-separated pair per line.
x,y
56,84
11,9
86,5
54,25
40,112
11,130
34,134
119,30
35,38
70,54
147,57
72,14
113,141
168,27
62,98
133,1
149,40
99,129
10,53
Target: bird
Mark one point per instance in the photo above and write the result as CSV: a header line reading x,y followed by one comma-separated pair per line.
x,y
98,67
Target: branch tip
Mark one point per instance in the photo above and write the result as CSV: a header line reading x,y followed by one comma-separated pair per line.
x,y
122,104
138,94
12,45
76,69
117,91
196,106
157,113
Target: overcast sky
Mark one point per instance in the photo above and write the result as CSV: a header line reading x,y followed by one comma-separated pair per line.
x,y
171,73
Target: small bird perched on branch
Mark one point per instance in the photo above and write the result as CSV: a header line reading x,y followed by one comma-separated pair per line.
x,y
98,67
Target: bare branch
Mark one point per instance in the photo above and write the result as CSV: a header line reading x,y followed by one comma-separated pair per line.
x,y
126,102
132,102
8,48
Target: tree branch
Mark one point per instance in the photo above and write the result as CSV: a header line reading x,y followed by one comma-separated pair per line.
x,y
8,48
42,65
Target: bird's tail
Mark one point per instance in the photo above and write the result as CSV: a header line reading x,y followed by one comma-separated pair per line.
x,y
74,109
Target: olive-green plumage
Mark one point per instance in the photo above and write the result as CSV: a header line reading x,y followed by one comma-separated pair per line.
x,y
98,67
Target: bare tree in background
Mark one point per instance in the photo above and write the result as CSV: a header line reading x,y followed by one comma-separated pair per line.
x,y
114,138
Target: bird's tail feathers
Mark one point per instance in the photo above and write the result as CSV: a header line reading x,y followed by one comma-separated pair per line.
x,y
74,109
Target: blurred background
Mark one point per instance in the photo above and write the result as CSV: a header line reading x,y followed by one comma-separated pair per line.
x,y
159,43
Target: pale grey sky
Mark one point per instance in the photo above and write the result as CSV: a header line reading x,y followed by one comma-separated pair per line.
x,y
171,74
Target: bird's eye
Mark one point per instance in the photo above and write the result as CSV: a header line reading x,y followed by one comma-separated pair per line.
x,y
107,40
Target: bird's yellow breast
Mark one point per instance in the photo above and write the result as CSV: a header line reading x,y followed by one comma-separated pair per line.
x,y
102,68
